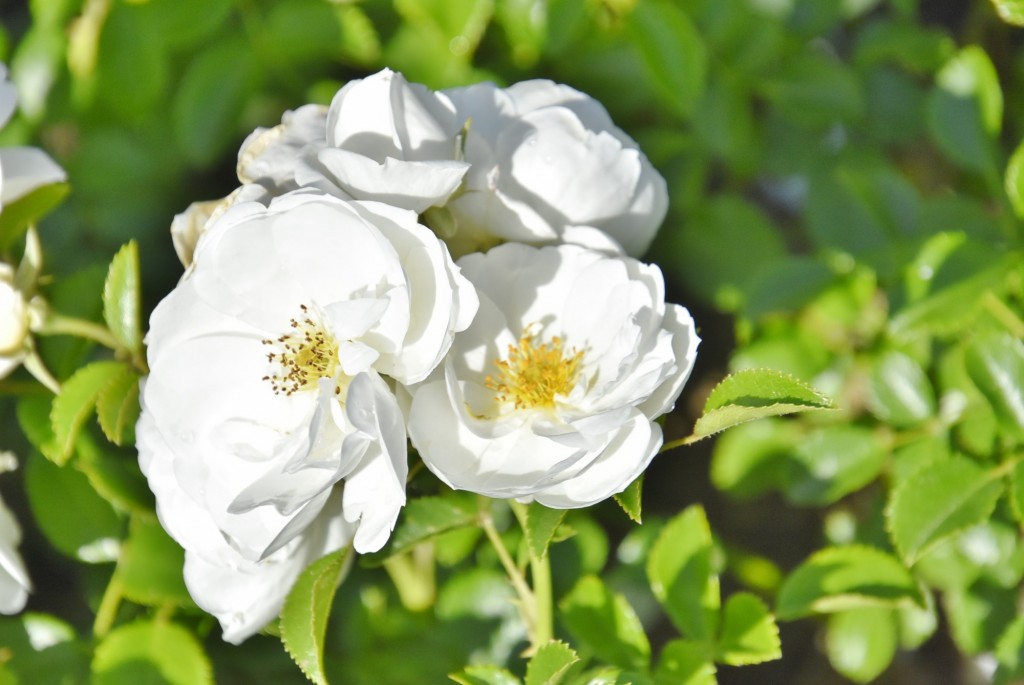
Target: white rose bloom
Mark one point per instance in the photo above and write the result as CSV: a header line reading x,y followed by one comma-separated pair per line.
x,y
265,389
279,158
551,394
14,581
188,226
547,162
22,169
14,322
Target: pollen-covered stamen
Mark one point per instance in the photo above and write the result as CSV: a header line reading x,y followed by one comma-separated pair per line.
x,y
302,356
535,373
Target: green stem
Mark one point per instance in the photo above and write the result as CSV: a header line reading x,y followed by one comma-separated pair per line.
x,y
527,605
107,612
540,573
1004,314
58,324
33,363
674,444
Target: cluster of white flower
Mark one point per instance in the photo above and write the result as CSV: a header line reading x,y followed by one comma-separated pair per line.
x,y
322,323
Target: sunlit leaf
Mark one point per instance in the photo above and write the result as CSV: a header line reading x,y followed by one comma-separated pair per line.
x,y
996,365
541,524
76,402
485,675
150,566
749,633
683,662
630,499
861,642
550,664
150,652
117,406
122,299
426,517
605,623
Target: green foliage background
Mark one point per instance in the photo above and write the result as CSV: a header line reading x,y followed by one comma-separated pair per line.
x,y
847,197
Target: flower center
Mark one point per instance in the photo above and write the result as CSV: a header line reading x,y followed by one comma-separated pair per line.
x,y
534,373
302,356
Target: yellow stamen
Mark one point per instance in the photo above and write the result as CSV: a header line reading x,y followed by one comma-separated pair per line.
x,y
534,373
302,356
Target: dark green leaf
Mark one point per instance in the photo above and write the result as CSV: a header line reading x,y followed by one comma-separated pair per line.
x,y
541,524
940,500
306,610
17,216
478,592
815,91
996,365
426,517
605,623
861,642
754,394
122,299
1014,179
550,664
749,633
683,662
150,566
681,576
115,476
841,578
76,402
673,52
1010,652
150,652
132,68
979,614
630,499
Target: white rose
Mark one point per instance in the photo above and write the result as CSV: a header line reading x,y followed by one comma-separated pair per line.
x,y
14,581
22,169
547,162
188,226
266,391
14,322
551,394
278,158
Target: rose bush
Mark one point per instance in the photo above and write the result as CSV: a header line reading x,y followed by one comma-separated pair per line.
x,y
551,394
267,389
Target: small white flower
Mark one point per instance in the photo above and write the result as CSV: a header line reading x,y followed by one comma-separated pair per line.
x,y
266,396
547,162
22,169
551,394
14,582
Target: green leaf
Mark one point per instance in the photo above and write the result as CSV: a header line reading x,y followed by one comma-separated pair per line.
x,y
122,299
815,91
187,23
306,609
681,576
683,662
426,517
150,566
150,652
76,402
831,462
550,664
899,393
861,643
964,111
749,633
115,476
840,578
1017,491
917,624
1010,11
940,500
605,623
460,23
1010,654
17,216
951,308
541,524
979,614
755,394
476,592
751,458
630,498
210,99
970,73
485,675
117,406
74,519
672,52
1014,178
995,364
132,69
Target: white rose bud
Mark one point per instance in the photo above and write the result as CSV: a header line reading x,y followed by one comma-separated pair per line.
x,y
269,434
548,164
551,394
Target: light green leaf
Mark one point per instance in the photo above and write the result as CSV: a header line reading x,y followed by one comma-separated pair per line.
x,y
185,24
751,458
672,51
970,73
630,499
605,623
899,393
460,23
485,675
940,500
476,592
426,517
306,609
832,462
1010,653
964,112
979,614
861,642
917,624
952,308
72,516
749,633
117,406
150,566
115,476
1010,11
754,394
150,652
541,524
681,576
683,662
1014,178
1017,491
550,664
995,364
76,402
27,210
122,299
840,578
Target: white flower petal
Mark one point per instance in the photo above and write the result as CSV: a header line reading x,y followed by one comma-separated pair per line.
x,y
24,169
